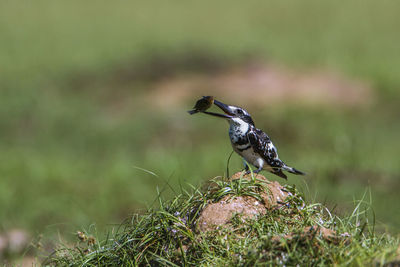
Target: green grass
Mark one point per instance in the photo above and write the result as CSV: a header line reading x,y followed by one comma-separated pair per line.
x,y
168,235
73,125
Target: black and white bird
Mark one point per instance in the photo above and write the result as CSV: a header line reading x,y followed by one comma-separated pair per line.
x,y
252,144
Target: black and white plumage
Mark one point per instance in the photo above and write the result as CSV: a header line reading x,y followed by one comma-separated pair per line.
x,y
252,144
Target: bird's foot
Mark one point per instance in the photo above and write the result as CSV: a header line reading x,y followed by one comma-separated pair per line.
x,y
257,171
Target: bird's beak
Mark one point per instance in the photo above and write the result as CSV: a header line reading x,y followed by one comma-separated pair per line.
x,y
225,108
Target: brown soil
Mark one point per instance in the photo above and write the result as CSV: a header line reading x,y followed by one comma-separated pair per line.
x,y
275,194
218,214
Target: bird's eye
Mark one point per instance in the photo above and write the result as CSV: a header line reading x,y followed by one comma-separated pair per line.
x,y
240,111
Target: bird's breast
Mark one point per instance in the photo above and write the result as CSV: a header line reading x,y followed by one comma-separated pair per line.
x,y
237,137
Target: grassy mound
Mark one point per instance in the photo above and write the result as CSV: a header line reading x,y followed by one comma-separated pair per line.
x,y
239,221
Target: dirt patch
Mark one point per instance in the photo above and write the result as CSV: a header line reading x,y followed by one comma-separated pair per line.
x,y
275,193
218,214
257,84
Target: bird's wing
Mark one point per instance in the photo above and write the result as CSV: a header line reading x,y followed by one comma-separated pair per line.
x,y
263,146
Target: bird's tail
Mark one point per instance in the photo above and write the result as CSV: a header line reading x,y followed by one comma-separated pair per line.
x,y
293,170
193,111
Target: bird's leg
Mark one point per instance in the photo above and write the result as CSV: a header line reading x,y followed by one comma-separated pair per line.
x,y
259,169
246,167
260,164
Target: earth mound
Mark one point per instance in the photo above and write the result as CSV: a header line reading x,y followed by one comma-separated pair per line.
x,y
244,220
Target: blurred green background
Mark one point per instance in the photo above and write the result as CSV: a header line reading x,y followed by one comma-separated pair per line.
x,y
92,91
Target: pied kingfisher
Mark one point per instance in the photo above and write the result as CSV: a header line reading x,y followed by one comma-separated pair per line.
x,y
252,144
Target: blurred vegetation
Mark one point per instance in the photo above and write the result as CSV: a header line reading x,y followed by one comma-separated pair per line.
x,y
74,128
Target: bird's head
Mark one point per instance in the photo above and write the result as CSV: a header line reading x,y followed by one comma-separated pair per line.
x,y
232,113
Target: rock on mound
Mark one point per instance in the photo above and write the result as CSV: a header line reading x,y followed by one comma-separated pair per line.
x,y
217,214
